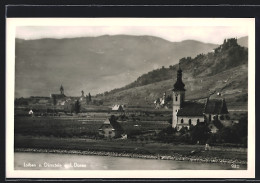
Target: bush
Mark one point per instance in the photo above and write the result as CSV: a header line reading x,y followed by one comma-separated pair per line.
x,y
200,133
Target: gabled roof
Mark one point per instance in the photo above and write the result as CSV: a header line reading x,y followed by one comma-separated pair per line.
x,y
191,109
215,106
115,125
117,107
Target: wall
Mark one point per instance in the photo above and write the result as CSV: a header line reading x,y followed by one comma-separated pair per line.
x,y
107,131
176,105
193,119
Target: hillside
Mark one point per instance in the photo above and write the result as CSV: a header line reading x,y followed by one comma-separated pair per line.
x,y
93,64
225,70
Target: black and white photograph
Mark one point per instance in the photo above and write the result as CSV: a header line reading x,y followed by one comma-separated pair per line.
x,y
130,97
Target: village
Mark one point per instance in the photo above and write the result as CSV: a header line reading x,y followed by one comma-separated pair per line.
x,y
169,127
119,121
135,134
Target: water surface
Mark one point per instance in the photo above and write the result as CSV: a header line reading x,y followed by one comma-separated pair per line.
x,y
54,161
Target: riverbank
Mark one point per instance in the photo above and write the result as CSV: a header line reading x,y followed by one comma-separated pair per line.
x,y
175,157
129,148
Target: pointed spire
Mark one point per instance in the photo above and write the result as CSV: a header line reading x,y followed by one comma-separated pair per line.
x,y
179,85
61,89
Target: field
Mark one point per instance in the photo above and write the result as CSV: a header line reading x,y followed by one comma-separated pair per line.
x,y
80,132
82,126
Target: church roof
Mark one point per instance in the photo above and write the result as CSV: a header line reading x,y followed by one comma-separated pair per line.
x,y
191,109
216,106
212,106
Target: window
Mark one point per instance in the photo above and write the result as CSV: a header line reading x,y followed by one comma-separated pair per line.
x,y
176,98
198,120
181,120
189,121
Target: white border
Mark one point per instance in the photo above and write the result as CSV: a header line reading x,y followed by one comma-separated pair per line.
x,y
11,24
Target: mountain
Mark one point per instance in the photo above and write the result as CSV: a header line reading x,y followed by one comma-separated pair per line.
x,y
93,64
225,71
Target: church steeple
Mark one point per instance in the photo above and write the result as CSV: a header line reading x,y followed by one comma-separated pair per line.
x,y
179,85
178,97
61,90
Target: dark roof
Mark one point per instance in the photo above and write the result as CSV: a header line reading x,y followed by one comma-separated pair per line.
x,y
215,106
114,124
191,109
58,96
179,85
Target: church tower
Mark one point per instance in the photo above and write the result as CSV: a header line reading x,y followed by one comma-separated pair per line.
x,y
178,96
82,94
61,90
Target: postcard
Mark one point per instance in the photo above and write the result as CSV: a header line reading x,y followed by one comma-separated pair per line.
x,y
130,98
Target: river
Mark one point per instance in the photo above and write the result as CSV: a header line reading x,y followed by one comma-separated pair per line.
x,y
54,161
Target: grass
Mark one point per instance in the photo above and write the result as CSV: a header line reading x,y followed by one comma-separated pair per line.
x,y
80,133
76,126
123,146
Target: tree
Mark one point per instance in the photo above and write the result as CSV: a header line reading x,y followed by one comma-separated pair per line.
x,y
227,135
199,133
89,97
54,100
77,107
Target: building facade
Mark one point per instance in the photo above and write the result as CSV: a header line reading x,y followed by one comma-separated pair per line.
x,y
110,129
188,113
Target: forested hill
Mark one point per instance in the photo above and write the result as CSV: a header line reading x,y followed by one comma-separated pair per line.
x,y
216,66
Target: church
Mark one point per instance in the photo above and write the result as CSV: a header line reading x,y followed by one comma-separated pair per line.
x,y
187,113
59,98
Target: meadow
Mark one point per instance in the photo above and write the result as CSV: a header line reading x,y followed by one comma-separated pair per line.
x,y
77,126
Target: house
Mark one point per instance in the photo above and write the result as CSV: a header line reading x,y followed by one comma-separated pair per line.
x,y
110,129
118,108
31,113
187,113
160,102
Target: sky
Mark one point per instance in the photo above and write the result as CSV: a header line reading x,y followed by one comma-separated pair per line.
x,y
207,34
207,30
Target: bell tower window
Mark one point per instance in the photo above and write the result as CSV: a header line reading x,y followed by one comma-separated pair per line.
x,y
176,98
